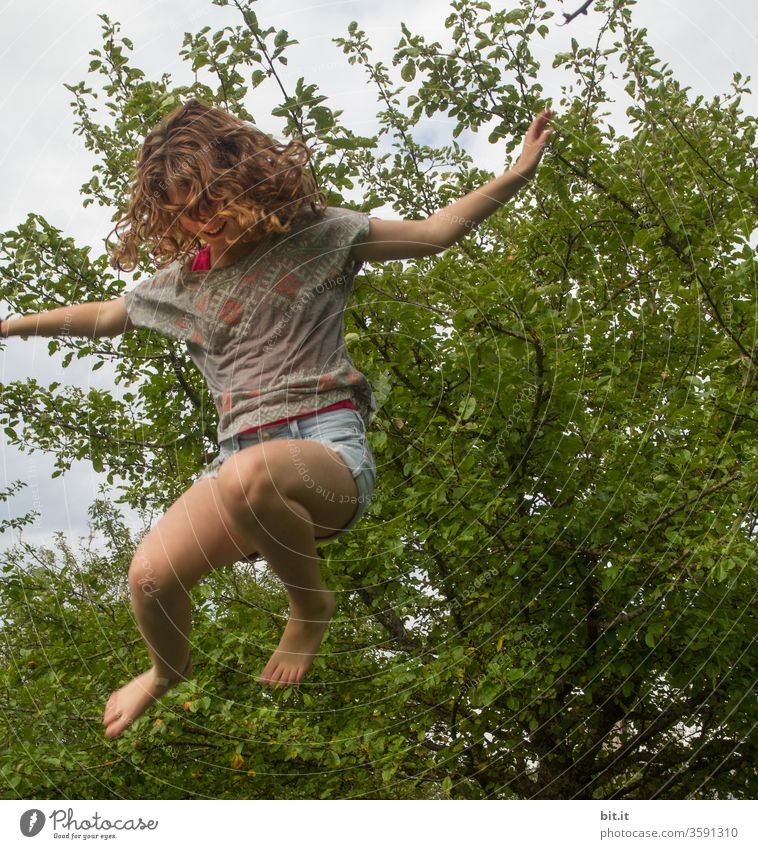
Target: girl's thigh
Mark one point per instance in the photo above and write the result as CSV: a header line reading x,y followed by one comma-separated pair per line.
x,y
273,474
192,537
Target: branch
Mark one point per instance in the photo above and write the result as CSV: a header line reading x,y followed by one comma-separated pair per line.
x,y
582,11
702,158
112,649
390,621
657,765
178,372
664,720
428,206
694,500
295,117
94,434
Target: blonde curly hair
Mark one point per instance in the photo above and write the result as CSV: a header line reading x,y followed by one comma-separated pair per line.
x,y
218,162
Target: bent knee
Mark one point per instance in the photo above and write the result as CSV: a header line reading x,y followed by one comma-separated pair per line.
x,y
246,486
148,575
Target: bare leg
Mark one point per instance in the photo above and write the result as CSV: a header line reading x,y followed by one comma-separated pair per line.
x,y
259,503
190,539
311,602
264,489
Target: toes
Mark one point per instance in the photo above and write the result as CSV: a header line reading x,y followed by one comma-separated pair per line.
x,y
111,717
268,670
297,676
266,678
117,722
290,677
110,710
276,676
282,676
116,728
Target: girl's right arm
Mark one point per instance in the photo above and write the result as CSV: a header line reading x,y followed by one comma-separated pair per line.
x,y
92,319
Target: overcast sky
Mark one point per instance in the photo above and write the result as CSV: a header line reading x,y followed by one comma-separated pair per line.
x,y
46,44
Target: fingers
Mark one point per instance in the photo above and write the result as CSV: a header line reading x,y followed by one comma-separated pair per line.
x,y
545,116
539,123
542,131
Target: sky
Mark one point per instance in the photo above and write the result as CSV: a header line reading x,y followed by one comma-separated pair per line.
x,y
47,44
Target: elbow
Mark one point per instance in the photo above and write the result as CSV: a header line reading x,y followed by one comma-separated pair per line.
x,y
438,236
437,245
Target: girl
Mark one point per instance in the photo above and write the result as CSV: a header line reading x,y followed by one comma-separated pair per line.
x,y
260,308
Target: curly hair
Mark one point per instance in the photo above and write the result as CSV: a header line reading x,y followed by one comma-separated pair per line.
x,y
218,162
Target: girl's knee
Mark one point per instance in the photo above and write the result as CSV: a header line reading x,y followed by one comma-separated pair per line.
x,y
245,488
149,576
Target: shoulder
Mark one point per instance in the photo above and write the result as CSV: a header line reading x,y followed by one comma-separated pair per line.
x,y
329,234
329,215
345,213
346,225
161,281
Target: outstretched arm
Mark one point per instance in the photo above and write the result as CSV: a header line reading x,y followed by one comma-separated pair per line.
x,y
407,239
94,318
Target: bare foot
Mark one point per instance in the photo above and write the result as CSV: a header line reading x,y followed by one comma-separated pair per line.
x,y
299,644
134,698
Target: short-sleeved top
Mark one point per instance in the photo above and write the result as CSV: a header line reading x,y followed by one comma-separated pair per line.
x,y
202,262
267,331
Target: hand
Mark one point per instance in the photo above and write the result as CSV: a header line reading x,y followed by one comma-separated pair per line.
x,y
3,329
535,140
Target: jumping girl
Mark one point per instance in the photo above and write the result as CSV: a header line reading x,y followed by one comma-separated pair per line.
x,y
254,272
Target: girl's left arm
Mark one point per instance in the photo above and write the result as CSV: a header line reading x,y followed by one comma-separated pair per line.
x,y
408,239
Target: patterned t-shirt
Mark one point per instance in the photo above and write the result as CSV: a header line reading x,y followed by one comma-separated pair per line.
x,y
266,331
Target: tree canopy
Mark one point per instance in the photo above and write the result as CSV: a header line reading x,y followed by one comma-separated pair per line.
x,y
551,596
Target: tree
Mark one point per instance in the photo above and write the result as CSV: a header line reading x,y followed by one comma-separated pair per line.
x,y
552,595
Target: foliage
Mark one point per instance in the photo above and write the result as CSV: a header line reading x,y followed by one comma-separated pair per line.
x,y
550,597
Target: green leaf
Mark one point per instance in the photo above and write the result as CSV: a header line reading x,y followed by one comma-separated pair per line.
x,y
408,71
467,407
478,616
516,16
388,772
573,308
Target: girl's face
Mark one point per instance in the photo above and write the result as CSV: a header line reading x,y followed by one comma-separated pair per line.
x,y
215,231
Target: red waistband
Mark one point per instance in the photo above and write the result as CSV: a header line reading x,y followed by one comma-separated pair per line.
x,y
347,404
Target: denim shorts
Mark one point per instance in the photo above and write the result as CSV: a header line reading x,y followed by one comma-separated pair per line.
x,y
342,430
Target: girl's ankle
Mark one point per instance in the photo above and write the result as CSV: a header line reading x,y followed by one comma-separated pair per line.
x,y
174,678
315,606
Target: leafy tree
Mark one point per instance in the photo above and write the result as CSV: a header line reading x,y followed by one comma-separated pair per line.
x,y
551,596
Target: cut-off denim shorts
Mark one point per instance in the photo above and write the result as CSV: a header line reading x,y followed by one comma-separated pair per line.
x,y
342,429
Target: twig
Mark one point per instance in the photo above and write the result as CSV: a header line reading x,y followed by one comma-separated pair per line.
x,y
582,11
